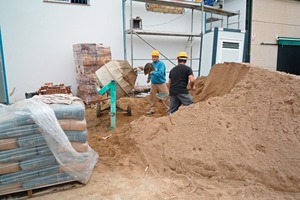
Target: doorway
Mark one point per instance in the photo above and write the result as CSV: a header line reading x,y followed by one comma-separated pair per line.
x,y
288,59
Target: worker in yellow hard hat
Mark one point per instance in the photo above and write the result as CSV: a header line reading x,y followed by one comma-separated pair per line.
x,y
157,76
180,76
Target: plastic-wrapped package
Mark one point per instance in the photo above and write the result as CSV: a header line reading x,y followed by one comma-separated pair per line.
x,y
43,144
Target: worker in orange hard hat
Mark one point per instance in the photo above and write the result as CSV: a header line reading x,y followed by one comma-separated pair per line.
x,y
180,76
157,76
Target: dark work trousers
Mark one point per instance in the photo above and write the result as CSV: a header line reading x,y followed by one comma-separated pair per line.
x,y
178,100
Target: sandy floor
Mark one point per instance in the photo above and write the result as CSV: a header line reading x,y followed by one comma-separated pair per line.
x,y
239,140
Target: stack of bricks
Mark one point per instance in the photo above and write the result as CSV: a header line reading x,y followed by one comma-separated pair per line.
x,y
50,88
89,57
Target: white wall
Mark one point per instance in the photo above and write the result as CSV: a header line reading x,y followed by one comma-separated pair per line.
x,y
171,45
167,45
38,38
236,21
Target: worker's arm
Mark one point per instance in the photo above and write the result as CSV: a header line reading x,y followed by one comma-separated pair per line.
x,y
160,70
192,82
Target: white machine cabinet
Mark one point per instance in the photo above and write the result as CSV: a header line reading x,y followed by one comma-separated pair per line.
x,y
219,46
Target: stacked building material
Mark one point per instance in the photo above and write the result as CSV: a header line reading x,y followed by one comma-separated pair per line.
x,y
89,57
44,144
50,88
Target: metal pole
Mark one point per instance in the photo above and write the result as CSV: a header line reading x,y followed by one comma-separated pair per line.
x,y
227,21
201,37
113,104
203,20
124,29
154,48
3,68
131,35
239,15
191,47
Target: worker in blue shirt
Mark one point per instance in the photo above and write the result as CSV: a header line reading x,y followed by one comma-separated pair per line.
x,y
158,80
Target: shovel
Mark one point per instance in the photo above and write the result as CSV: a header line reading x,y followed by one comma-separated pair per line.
x,y
163,96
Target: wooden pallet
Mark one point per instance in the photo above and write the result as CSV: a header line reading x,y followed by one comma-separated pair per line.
x,y
44,190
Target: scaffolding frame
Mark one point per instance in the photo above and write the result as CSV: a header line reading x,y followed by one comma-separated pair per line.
x,y
198,6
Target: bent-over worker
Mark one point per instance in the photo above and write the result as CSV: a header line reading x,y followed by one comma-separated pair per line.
x,y
179,78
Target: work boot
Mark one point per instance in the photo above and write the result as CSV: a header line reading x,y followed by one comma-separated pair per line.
x,y
150,112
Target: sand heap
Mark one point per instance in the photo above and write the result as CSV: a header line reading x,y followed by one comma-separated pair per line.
x,y
240,141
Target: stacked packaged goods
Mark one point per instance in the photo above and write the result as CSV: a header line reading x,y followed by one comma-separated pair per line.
x,y
89,57
44,144
50,88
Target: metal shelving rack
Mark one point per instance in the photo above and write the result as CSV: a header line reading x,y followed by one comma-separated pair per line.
x,y
198,6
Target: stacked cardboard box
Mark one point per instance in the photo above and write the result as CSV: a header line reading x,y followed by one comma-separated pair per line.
x,y
89,57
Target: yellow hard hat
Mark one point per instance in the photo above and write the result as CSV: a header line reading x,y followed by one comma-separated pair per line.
x,y
155,53
182,54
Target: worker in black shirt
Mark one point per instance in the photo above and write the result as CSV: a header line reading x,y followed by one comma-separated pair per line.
x,y
179,78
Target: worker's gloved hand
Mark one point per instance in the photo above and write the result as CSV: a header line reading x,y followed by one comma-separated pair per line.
x,y
138,69
149,78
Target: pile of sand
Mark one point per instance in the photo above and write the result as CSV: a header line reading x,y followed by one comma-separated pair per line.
x,y
243,141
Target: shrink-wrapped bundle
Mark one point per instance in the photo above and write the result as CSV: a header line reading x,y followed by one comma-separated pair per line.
x,y
43,141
